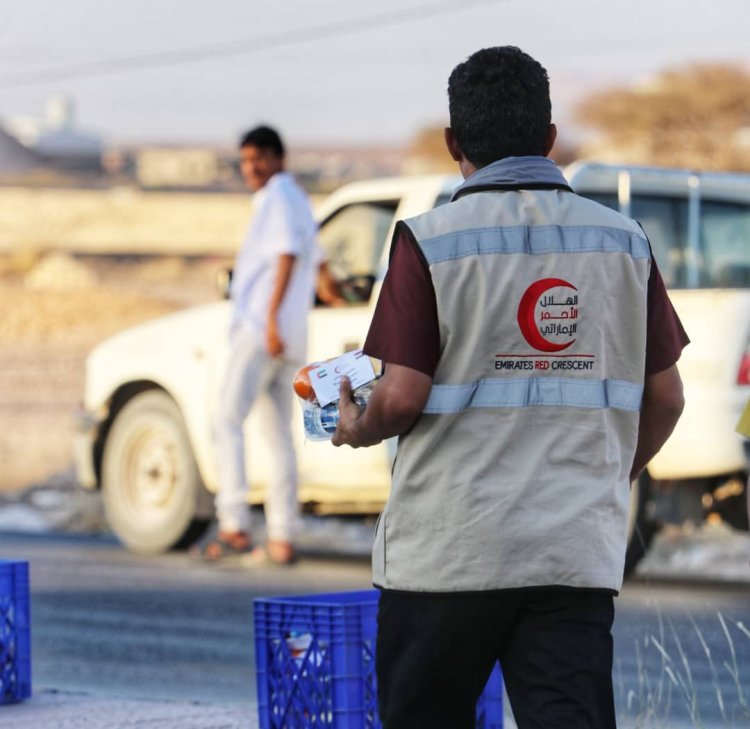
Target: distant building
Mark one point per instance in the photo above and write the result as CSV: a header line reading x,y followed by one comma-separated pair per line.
x,y
56,139
174,166
191,167
328,167
53,149
15,159
216,167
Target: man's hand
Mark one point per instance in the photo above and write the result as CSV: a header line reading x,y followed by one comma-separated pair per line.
x,y
274,343
349,414
396,403
327,288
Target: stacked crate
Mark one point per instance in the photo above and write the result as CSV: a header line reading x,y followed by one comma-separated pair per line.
x,y
15,634
315,660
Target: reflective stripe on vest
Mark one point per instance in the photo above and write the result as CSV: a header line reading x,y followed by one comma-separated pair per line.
x,y
534,391
537,240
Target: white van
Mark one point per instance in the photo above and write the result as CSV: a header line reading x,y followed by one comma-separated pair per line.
x,y
699,227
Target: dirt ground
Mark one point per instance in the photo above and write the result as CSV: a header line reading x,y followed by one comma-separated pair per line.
x,y
52,312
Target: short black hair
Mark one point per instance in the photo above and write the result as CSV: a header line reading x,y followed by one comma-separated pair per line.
x,y
499,105
263,138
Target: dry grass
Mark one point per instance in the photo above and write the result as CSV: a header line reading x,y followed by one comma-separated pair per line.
x,y
671,683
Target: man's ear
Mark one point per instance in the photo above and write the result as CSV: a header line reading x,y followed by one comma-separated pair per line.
x,y
453,149
550,141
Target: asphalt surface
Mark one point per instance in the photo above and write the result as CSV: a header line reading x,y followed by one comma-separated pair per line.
x,y
126,641
120,640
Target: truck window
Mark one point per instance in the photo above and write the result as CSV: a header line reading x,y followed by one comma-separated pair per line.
x,y
352,240
725,244
665,220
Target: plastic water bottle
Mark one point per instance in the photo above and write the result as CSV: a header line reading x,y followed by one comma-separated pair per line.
x,y
298,645
320,423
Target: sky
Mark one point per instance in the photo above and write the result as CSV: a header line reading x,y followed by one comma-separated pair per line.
x,y
329,72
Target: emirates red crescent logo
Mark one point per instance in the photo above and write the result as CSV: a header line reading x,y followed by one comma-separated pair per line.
x,y
548,321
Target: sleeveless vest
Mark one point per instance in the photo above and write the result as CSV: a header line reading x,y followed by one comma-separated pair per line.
x,y
517,473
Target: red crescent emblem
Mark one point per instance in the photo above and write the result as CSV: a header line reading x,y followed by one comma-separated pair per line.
x,y
527,321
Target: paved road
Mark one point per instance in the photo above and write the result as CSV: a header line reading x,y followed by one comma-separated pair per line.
x,y
119,629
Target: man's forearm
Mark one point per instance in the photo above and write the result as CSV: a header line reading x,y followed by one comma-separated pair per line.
x,y
327,289
653,431
284,269
661,409
274,343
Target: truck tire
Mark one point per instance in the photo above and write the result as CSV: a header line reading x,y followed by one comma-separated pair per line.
x,y
641,524
151,486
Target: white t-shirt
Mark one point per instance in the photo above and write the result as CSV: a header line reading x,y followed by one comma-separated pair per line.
x,y
282,223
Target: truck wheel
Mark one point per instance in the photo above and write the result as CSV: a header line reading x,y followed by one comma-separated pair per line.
x,y
641,524
151,486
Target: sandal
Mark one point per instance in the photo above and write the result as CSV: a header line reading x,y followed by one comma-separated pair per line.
x,y
272,553
219,547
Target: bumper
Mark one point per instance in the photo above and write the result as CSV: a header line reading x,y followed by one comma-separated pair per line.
x,y
84,440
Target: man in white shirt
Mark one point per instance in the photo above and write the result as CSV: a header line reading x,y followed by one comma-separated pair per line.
x,y
272,289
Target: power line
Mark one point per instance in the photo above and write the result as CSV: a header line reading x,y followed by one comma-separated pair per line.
x,y
267,42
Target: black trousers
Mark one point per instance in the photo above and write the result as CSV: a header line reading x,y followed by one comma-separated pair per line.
x,y
435,654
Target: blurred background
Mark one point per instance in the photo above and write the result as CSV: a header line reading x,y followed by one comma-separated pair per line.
x,y
119,191
120,200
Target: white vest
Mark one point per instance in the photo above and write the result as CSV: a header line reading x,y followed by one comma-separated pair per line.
x,y
517,473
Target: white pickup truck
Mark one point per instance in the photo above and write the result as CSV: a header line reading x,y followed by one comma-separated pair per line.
x,y
145,432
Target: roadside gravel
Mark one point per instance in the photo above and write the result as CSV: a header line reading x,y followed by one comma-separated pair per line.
x,y
53,313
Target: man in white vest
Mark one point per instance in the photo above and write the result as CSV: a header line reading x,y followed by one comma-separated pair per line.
x,y
529,353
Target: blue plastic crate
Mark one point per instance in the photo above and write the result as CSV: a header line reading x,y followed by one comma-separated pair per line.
x,y
15,633
315,661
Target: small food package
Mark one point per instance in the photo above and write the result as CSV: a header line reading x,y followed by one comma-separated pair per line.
x,y
317,387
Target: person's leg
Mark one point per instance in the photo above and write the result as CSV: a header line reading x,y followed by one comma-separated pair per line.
x,y
247,368
434,656
281,504
557,663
